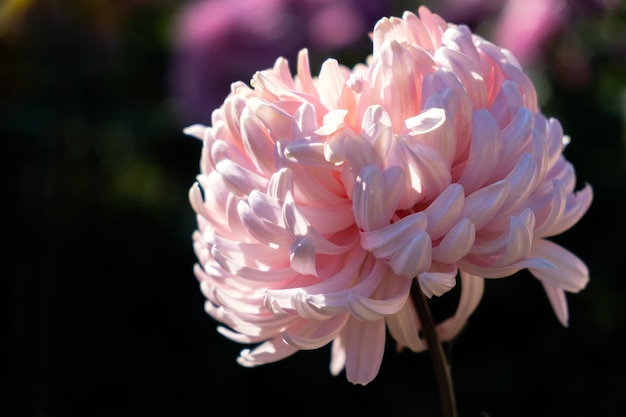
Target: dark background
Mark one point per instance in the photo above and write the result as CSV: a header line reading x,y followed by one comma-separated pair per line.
x,y
102,316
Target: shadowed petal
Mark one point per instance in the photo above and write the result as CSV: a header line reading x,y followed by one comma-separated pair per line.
x,y
365,340
557,299
404,326
271,351
571,274
472,288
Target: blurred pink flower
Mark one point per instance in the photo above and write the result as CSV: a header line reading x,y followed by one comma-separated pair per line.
x,y
524,26
322,199
217,42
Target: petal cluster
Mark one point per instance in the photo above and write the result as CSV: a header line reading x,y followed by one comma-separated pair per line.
x,y
321,199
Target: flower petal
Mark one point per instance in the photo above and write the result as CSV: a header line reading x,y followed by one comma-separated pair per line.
x,y
571,274
557,299
456,243
271,351
404,326
365,345
472,288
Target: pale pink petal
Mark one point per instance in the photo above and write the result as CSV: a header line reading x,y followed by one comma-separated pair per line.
x,y
550,210
472,288
576,206
437,283
481,266
305,121
405,327
365,342
304,80
558,301
484,151
376,196
376,129
522,180
338,355
196,130
482,205
571,274
331,81
414,257
239,180
328,220
444,212
258,144
315,335
270,351
434,125
302,256
427,172
305,152
516,138
456,243
367,203
520,238
467,71
386,241
332,121
365,308
277,121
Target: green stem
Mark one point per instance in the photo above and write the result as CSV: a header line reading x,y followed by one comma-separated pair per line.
x,y
435,348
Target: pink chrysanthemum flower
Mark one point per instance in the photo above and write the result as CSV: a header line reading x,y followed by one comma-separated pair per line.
x,y
321,199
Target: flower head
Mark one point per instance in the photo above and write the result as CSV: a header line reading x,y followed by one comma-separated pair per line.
x,y
322,199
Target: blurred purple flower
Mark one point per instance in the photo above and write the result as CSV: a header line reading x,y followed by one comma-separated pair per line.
x,y
523,26
217,42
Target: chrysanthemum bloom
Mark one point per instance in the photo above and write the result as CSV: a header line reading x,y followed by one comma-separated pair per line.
x,y
321,199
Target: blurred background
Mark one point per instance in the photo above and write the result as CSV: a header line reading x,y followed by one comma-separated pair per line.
x,y
100,312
